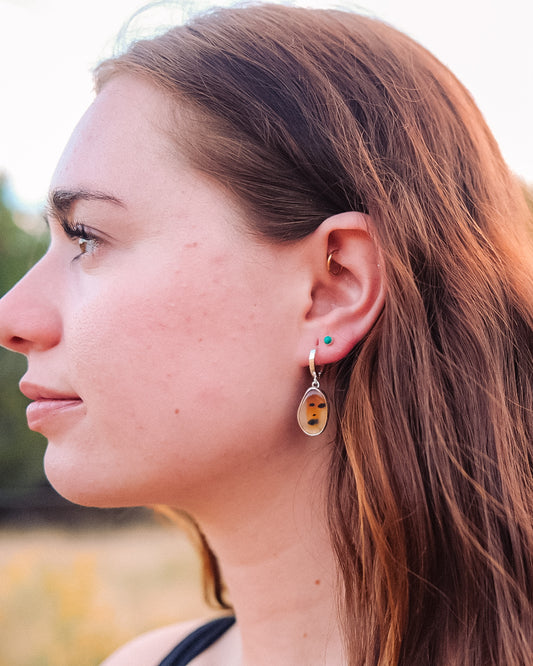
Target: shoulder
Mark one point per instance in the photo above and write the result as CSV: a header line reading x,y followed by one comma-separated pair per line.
x,y
150,648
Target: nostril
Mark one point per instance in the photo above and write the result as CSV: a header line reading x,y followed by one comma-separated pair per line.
x,y
16,340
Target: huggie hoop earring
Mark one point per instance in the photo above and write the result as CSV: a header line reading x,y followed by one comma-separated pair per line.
x,y
329,262
313,409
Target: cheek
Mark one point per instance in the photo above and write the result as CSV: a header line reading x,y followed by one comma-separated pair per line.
x,y
126,340
157,351
182,384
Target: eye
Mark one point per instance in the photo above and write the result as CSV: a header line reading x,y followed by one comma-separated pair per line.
x,y
87,245
85,238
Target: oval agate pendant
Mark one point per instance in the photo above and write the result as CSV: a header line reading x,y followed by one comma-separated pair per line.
x,y
313,412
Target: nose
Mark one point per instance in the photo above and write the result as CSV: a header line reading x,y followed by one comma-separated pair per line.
x,y
29,319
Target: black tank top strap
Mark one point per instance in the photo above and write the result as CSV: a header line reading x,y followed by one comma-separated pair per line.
x,y
200,639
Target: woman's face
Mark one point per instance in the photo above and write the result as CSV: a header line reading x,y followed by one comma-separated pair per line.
x,y
163,334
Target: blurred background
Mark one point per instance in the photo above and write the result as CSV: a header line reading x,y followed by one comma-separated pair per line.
x,y
80,581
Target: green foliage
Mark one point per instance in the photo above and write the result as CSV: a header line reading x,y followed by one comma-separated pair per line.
x,y
20,449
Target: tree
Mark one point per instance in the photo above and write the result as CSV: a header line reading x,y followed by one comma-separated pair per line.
x,y
21,450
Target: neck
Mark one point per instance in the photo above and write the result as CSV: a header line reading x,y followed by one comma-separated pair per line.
x,y
277,561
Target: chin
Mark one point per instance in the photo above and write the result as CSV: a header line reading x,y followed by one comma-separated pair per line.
x,y
79,484
89,497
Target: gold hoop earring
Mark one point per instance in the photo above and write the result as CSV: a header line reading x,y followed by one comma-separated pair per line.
x,y
313,409
330,263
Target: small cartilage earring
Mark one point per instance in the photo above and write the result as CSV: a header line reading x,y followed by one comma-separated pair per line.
x,y
333,267
313,410
328,340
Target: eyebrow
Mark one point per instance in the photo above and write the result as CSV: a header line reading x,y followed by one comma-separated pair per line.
x,y
60,201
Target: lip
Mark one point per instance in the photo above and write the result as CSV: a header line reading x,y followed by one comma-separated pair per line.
x,y
48,404
36,392
40,412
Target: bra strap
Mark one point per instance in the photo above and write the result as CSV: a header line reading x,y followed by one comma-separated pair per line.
x,y
200,639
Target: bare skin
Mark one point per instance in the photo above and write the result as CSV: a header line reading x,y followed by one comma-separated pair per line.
x,y
167,354
281,578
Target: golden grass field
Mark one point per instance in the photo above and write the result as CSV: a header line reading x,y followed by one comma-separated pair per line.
x,y
69,598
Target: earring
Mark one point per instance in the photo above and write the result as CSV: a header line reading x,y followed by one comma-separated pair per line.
x,y
313,410
330,263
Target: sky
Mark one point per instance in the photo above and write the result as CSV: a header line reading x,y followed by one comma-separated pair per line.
x,y
48,48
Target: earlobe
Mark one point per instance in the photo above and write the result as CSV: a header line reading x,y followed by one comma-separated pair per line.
x,y
348,290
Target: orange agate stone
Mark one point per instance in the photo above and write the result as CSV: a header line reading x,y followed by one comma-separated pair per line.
x,y
313,412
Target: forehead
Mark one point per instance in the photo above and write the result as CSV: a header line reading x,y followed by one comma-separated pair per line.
x,y
122,136
127,148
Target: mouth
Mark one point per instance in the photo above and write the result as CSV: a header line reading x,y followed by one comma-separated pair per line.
x,y
48,404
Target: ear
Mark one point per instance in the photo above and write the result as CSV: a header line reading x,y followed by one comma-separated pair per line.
x,y
347,292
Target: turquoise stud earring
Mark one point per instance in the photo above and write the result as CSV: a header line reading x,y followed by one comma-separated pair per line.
x,y
328,340
313,410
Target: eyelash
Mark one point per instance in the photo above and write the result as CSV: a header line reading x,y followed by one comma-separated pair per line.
x,y
84,236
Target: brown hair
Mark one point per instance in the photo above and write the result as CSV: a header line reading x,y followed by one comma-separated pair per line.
x,y
306,113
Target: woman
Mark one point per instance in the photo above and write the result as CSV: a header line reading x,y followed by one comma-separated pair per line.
x,y
271,203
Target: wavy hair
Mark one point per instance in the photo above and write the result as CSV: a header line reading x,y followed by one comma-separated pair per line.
x,y
302,114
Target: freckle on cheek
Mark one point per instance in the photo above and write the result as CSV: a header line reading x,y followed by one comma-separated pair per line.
x,y
176,411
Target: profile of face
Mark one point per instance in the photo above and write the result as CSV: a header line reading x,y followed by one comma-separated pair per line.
x,y
163,331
